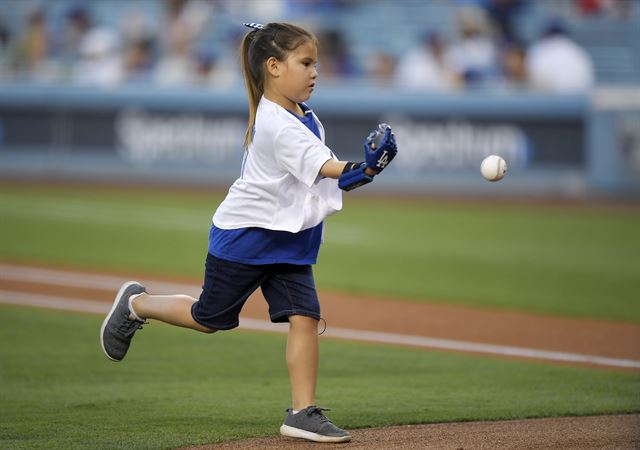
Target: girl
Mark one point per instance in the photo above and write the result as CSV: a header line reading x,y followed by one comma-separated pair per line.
x,y
267,231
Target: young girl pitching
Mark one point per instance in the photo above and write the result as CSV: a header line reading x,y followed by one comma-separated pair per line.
x,y
267,232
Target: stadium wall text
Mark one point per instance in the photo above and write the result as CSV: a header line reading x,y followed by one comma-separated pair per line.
x,y
551,143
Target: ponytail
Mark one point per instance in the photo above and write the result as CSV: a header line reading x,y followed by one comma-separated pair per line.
x,y
271,40
253,84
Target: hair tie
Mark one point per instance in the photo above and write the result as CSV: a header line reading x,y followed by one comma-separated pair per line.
x,y
325,326
254,25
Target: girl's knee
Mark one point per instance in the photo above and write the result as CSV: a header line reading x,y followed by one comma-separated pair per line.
x,y
302,319
303,322
206,330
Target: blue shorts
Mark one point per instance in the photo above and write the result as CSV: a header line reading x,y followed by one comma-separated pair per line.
x,y
289,290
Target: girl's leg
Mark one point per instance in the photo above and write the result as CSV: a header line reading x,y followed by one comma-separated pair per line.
x,y
291,288
302,360
171,309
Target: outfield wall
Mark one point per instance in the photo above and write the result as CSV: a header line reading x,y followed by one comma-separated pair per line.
x,y
556,145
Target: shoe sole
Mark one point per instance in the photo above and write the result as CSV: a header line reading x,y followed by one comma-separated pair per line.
x,y
292,432
113,308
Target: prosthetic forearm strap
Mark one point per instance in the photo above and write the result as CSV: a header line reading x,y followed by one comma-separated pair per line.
x,y
353,177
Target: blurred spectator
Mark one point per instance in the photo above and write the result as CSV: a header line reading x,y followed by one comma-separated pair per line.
x,y
334,60
424,67
259,9
77,25
177,33
185,21
514,67
557,64
220,68
100,60
5,39
139,46
32,58
382,68
139,60
175,69
619,9
212,72
305,8
474,57
34,45
503,14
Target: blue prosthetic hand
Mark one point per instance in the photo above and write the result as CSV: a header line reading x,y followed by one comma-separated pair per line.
x,y
380,148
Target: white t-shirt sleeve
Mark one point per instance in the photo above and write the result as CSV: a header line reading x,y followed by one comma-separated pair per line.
x,y
300,154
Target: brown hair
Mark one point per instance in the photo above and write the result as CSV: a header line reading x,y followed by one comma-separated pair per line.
x,y
274,40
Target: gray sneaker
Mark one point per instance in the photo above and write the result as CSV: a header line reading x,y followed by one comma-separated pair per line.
x,y
311,424
117,329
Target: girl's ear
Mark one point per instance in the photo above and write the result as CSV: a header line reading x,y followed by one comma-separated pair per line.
x,y
273,67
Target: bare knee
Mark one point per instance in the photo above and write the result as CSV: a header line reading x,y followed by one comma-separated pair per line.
x,y
303,323
207,330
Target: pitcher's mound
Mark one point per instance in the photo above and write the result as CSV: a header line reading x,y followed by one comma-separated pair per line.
x,y
595,432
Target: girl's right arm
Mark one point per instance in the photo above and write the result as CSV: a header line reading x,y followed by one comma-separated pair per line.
x,y
333,169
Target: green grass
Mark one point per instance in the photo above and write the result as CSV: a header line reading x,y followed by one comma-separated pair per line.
x,y
547,259
178,387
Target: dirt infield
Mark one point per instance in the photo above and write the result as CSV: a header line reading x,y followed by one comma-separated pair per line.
x,y
600,432
358,313
528,331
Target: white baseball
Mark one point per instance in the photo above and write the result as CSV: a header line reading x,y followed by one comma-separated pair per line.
x,y
493,168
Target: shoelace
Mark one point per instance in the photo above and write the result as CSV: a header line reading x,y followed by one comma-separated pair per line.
x,y
131,326
319,411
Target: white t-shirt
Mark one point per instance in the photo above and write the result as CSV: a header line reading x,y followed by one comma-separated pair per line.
x,y
280,187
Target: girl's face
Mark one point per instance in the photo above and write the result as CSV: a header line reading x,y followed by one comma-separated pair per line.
x,y
292,81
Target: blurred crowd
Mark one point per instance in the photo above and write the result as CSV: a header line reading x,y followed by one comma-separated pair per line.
x,y
79,49
489,53
482,48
